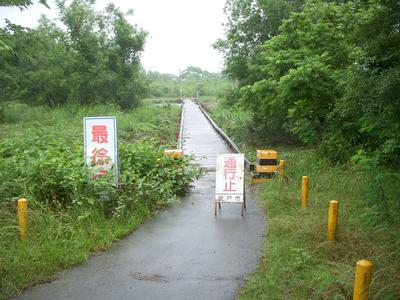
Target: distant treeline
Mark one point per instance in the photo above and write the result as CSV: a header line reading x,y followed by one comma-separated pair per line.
x,y
324,73
92,58
191,82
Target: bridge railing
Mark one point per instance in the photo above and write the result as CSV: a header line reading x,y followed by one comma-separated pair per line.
x,y
225,137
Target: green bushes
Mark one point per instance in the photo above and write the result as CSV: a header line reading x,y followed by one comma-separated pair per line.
x,y
70,214
46,162
325,73
53,173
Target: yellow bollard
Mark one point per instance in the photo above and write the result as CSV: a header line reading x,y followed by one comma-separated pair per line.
x,y
23,217
362,279
304,191
281,169
332,219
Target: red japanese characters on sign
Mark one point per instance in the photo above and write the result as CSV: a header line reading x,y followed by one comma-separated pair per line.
x,y
100,156
229,185
99,134
230,170
100,144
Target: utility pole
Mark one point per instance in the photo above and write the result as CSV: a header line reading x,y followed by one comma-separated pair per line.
x,y
180,84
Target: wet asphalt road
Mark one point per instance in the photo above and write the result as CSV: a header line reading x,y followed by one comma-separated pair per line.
x,y
184,252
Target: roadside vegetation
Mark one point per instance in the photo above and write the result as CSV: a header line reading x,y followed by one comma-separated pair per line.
x,y
51,77
298,261
325,74
71,215
318,81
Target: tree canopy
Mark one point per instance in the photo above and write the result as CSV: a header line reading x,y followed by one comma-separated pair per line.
x,y
20,3
325,73
94,58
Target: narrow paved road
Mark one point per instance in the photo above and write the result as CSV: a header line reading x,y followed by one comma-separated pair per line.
x,y
184,252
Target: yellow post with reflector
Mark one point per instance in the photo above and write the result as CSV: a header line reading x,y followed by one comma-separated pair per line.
x,y
266,166
362,279
281,169
304,191
174,153
23,218
266,161
332,219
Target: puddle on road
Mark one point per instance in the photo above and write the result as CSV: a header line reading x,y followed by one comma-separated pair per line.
x,y
144,277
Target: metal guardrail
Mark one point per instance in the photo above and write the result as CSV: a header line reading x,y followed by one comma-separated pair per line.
x,y
225,137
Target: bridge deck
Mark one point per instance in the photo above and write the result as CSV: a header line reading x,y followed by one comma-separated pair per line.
x,y
200,138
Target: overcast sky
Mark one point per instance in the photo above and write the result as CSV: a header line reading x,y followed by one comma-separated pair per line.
x,y
181,32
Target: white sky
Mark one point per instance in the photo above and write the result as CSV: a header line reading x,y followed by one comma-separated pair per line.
x,y
181,32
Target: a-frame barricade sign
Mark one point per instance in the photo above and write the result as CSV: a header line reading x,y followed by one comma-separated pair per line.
x,y
229,181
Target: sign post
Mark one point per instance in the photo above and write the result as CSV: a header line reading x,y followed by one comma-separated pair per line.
x,y
100,144
229,180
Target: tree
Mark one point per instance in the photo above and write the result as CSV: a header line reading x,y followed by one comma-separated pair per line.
x,y
365,121
329,75
297,73
192,81
21,3
250,24
96,59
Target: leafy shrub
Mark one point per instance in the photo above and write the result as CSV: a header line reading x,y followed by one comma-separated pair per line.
x,y
54,173
44,158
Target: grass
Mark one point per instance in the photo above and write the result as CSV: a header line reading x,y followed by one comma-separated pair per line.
x,y
298,262
208,101
148,121
57,240
161,101
60,236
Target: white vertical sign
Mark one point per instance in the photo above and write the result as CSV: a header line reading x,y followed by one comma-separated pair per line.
x,y
229,185
100,140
